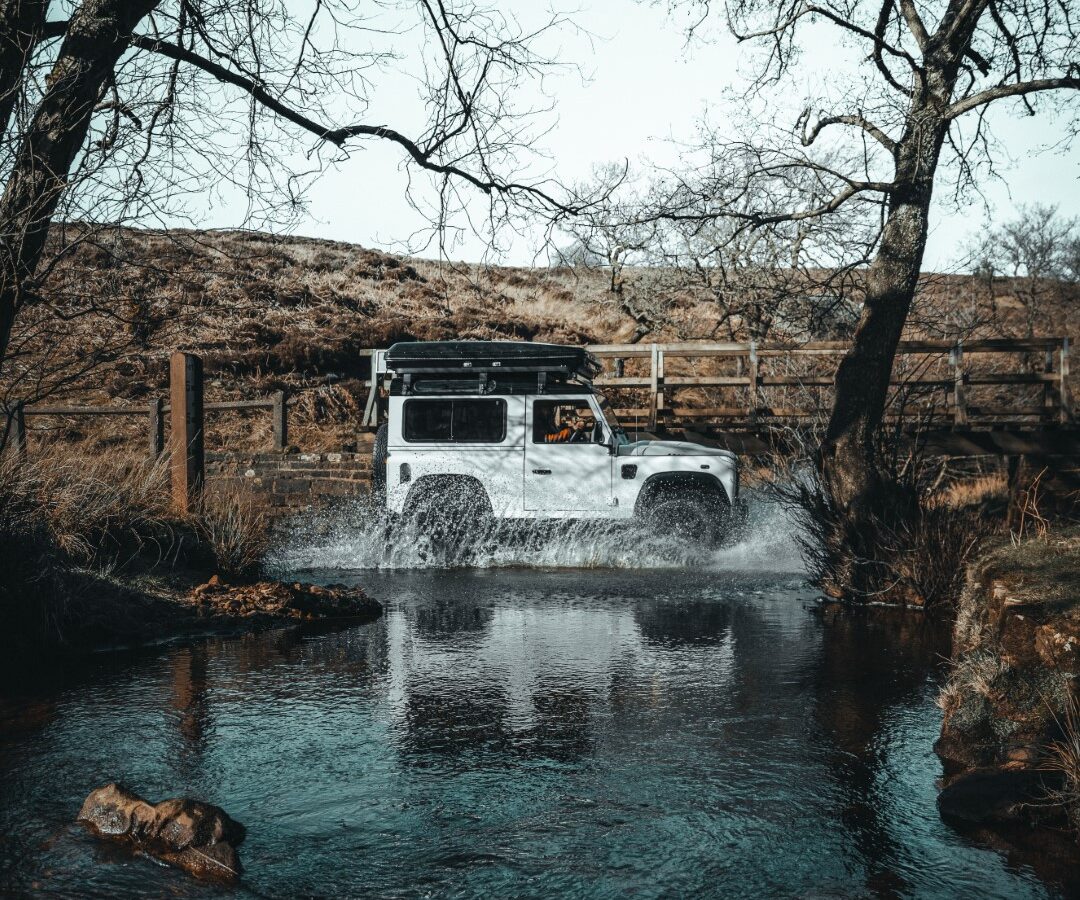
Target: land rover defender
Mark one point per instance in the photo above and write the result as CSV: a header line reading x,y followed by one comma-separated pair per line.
x,y
516,430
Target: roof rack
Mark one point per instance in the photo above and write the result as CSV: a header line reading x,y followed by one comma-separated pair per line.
x,y
428,358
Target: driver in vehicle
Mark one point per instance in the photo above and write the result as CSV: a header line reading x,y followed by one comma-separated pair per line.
x,y
574,430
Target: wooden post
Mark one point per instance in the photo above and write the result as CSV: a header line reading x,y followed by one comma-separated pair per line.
x,y
281,421
661,401
1048,395
18,432
620,367
371,408
956,360
752,374
187,460
654,386
1065,405
157,427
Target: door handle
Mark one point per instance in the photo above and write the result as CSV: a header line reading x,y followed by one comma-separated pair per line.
x,y
541,471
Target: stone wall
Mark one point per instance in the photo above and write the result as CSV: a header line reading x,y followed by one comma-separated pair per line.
x,y
289,482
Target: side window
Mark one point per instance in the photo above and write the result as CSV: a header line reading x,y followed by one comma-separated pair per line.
x,y
454,421
427,420
479,421
564,422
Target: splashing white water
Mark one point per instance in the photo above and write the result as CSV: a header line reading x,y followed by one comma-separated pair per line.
x,y
358,537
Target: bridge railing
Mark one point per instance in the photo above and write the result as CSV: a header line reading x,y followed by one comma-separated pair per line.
x,y
938,382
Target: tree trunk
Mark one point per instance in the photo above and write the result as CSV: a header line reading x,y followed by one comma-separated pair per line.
x,y
20,27
98,34
849,452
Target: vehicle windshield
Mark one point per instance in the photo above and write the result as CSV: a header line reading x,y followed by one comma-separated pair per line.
x,y
612,420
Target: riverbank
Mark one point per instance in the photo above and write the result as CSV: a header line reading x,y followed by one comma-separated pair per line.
x,y
119,612
93,554
1010,738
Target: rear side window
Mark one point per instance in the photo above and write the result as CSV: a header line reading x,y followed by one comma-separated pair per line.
x,y
454,421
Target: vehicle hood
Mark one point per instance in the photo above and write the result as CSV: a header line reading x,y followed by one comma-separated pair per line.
x,y
672,448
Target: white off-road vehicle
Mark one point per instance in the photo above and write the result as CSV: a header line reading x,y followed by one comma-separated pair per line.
x,y
515,430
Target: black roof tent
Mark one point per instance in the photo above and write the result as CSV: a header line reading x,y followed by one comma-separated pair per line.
x,y
427,358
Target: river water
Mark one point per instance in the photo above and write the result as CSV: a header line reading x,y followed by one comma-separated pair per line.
x,y
640,723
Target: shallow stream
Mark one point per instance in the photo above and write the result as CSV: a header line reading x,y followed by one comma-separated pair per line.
x,y
645,723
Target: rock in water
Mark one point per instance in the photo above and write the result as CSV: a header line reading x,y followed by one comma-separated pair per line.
x,y
197,837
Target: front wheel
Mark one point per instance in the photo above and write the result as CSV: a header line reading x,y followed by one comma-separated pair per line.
x,y
690,518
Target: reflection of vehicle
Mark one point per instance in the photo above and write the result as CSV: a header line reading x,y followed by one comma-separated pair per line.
x,y
517,431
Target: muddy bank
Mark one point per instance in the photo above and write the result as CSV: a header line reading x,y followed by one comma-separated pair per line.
x,y
1009,739
112,613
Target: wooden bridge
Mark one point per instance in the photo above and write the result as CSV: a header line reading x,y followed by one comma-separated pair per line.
x,y
1006,397
996,396
999,396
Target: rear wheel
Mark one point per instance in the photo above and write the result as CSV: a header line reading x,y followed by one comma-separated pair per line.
x,y
448,510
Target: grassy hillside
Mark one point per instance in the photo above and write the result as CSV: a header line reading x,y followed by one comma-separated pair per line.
x,y
268,313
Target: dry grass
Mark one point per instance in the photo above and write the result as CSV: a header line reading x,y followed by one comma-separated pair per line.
x,y
68,517
978,492
235,529
1064,758
100,510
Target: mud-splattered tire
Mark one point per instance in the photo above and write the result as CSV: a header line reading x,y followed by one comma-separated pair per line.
x,y
698,520
448,509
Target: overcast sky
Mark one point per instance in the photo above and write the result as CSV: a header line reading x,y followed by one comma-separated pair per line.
x,y
640,87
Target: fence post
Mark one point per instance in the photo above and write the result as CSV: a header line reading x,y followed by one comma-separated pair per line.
x,y
655,396
18,432
956,360
157,427
187,460
752,394
1048,396
371,411
620,367
1065,411
281,421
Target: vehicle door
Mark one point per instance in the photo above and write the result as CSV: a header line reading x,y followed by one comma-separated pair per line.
x,y
567,457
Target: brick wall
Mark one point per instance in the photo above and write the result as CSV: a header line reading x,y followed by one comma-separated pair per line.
x,y
288,482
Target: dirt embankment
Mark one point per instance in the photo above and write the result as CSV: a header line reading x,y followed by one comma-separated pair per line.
x,y
1010,740
273,313
113,613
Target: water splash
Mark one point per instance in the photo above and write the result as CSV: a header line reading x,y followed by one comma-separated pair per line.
x,y
359,537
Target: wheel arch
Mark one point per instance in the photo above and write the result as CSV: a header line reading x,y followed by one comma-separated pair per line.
x,y
663,484
446,484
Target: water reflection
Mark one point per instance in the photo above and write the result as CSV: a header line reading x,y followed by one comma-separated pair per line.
x,y
189,700
874,664
520,734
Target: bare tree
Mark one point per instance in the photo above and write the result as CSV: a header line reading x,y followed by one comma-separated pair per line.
x,y
121,111
1038,252
799,276
609,236
928,74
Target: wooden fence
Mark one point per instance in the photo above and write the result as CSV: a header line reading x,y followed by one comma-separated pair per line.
x,y
155,413
763,386
932,380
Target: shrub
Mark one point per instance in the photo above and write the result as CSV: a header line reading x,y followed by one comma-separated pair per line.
x,y
910,551
237,532
31,599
